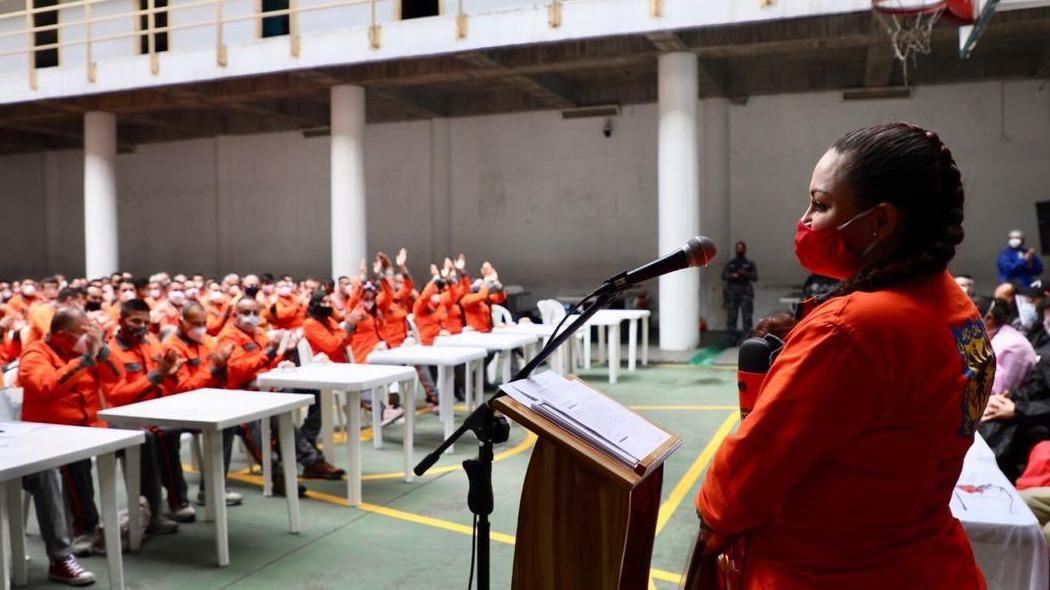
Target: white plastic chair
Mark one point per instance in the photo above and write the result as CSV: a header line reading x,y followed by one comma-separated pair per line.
x,y
306,354
412,329
501,315
551,312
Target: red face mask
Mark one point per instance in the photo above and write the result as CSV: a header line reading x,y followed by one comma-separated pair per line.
x,y
825,253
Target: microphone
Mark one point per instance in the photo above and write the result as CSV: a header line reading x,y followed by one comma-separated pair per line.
x,y
755,357
698,251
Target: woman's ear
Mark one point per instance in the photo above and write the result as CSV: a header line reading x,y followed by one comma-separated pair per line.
x,y
887,218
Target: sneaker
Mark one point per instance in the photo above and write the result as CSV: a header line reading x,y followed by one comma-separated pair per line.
x,y
68,571
162,525
391,415
323,470
184,513
278,486
81,545
232,498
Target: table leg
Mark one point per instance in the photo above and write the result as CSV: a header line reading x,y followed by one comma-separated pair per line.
x,y
378,403
445,387
468,385
215,482
327,421
614,353
291,483
479,383
586,347
17,528
267,458
5,559
632,345
601,344
408,388
133,485
645,341
353,448
107,487
508,356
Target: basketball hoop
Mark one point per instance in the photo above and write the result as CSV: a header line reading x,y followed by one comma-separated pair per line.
x,y
910,26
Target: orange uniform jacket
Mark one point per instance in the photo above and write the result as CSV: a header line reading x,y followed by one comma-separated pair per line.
x,y
395,309
287,313
40,315
196,372
140,380
218,313
429,318
249,356
476,308
61,390
17,307
365,336
843,471
329,338
450,299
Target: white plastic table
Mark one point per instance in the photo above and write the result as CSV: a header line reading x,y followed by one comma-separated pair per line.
x,y
444,358
211,411
28,447
560,358
603,321
632,317
1006,538
503,344
352,379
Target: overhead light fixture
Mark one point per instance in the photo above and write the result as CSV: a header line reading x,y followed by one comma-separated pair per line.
x,y
877,93
601,110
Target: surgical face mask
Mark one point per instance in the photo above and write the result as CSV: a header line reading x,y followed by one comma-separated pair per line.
x,y
177,297
197,334
154,293
250,320
28,291
127,295
324,311
1015,242
285,291
135,333
215,297
6,294
435,300
251,291
1026,311
825,252
92,306
82,344
192,293
268,289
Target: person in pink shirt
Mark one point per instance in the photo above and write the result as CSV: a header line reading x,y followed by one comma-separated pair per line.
x,y
1014,355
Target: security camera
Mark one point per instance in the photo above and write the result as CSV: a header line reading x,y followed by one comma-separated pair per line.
x,y
607,128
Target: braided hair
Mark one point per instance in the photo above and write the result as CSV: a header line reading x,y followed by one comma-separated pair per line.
x,y
912,169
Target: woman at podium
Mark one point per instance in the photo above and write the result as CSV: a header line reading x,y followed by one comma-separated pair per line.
x,y
841,475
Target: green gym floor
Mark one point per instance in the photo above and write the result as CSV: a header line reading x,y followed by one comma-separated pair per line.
x,y
417,535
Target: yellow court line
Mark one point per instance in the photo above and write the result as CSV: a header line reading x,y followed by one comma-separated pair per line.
x,y
683,408
689,479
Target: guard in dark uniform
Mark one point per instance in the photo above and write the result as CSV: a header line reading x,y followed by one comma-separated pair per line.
x,y
737,293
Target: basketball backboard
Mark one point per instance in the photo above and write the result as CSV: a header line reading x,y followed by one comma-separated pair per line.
x,y
984,10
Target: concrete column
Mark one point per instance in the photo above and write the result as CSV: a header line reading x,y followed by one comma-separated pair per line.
x,y
440,191
679,197
349,237
715,205
100,195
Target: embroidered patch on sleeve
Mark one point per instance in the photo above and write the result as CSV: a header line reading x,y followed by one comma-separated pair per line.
x,y
978,363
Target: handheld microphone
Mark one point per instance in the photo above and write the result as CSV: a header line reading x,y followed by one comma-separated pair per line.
x,y
755,358
698,251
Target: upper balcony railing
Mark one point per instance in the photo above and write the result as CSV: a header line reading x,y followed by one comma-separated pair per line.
x,y
38,34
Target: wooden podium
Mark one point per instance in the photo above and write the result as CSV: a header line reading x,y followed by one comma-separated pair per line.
x,y
586,520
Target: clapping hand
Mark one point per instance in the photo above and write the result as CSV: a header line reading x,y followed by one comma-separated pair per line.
x,y
402,258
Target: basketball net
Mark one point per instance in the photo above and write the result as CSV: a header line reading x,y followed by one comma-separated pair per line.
x,y
910,26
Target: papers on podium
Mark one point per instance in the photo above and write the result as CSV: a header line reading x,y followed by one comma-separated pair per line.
x,y
601,421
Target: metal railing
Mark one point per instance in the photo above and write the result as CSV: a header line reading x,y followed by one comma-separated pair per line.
x,y
137,31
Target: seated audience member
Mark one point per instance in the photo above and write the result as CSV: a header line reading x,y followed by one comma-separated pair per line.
x,y
965,283
451,296
395,300
218,307
484,292
1039,335
1026,301
428,311
1005,292
26,295
363,322
1013,423
62,376
254,353
148,372
204,366
1014,355
46,489
323,332
289,310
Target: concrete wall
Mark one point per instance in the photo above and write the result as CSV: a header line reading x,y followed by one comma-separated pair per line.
x,y
554,204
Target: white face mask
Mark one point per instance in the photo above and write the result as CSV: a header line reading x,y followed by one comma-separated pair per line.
x,y
154,293
81,346
177,297
215,297
1026,311
284,291
435,299
251,321
192,293
1015,242
197,334
127,295
28,291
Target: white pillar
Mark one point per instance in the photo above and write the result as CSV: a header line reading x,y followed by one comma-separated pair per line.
x,y
100,195
349,238
679,202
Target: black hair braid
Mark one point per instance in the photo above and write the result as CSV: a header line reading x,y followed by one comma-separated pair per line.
x,y
911,168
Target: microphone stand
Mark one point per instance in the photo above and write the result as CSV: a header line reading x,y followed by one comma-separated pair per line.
x,y
491,429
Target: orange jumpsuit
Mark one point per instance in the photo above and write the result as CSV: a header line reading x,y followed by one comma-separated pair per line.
x,y
428,317
18,306
365,336
40,315
196,372
842,473
249,356
395,309
328,337
450,301
218,313
477,310
61,390
287,313
140,380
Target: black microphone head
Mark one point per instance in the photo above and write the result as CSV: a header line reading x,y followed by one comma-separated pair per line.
x,y
700,250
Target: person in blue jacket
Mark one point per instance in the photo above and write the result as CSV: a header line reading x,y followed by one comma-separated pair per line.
x,y
1017,264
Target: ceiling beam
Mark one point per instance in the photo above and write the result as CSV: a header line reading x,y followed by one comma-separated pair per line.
x,y
667,41
554,98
